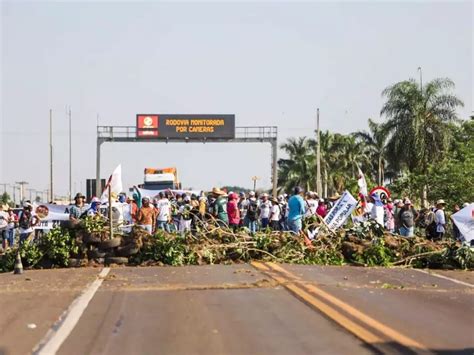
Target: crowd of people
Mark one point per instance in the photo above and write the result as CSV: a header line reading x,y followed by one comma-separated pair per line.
x,y
183,212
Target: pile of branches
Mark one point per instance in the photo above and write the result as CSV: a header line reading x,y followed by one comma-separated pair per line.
x,y
365,244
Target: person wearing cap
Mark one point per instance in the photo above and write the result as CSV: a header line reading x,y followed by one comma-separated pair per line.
x,y
243,205
233,211
27,222
407,217
79,209
440,219
390,220
220,207
284,212
94,208
297,210
185,215
147,215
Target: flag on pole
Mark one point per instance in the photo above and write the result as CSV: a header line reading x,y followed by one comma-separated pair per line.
x,y
362,183
115,183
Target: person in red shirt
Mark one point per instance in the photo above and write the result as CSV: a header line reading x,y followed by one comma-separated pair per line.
x,y
233,211
321,210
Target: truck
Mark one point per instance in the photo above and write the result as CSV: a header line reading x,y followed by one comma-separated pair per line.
x,y
161,179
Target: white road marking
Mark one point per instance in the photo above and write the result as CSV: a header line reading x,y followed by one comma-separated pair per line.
x,y
445,278
59,332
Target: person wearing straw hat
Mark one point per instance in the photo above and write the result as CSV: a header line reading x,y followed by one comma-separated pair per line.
x,y
440,219
275,214
79,208
220,207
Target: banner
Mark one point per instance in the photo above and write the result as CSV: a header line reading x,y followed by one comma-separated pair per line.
x,y
50,215
154,193
464,220
341,211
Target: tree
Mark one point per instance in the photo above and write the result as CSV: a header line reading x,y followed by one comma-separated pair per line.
x,y
299,168
417,122
375,143
5,199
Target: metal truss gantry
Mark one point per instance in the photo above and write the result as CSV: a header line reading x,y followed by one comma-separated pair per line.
x,y
251,134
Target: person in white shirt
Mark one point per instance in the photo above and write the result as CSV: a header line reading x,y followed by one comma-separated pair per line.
x,y
275,215
265,207
311,203
440,219
164,212
4,220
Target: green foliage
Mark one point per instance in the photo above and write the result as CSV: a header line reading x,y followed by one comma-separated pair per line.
x,y
30,253
58,246
93,224
7,260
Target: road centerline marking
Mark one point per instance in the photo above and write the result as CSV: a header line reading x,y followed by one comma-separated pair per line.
x,y
59,332
298,283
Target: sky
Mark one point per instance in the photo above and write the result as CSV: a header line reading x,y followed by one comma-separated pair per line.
x,y
269,63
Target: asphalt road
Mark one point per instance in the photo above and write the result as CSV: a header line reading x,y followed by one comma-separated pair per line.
x,y
237,309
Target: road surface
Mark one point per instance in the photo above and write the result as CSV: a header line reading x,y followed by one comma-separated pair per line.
x,y
262,308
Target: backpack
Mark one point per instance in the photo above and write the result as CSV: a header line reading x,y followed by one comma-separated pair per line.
x,y
252,211
430,222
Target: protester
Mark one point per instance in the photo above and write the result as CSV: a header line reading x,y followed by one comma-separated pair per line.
x,y
440,219
202,206
252,213
456,231
233,211
243,206
407,217
311,204
284,212
26,222
79,209
185,215
321,210
4,220
11,231
398,205
163,207
147,216
275,214
265,207
94,208
220,207
296,206
389,217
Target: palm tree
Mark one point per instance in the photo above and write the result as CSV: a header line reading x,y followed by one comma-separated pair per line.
x,y
417,122
298,169
375,144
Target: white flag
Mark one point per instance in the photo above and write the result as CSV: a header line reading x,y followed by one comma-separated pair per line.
x,y
115,183
464,220
362,183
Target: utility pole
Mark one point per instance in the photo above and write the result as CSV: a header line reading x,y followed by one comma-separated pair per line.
x,y
70,157
255,178
4,187
51,154
318,157
421,80
22,190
